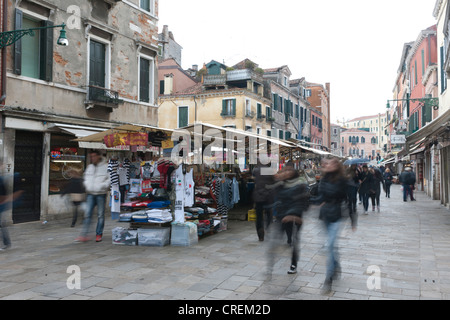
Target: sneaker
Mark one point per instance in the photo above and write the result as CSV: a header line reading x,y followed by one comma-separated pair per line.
x,y
292,270
5,247
98,238
81,239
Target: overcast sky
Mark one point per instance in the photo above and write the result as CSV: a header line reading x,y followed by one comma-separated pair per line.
x,y
355,45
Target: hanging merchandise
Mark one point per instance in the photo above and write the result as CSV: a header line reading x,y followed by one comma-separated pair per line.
x,y
189,189
115,201
179,193
113,165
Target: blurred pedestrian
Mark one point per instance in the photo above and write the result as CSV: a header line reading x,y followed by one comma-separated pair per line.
x,y
352,174
263,199
97,185
407,179
292,199
387,176
374,187
365,181
76,191
331,195
5,200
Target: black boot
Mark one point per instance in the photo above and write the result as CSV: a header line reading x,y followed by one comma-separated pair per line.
x,y
260,234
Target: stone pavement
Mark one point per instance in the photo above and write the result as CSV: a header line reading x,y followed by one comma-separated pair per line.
x,y
401,253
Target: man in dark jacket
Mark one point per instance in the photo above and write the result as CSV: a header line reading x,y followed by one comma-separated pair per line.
x,y
263,200
408,180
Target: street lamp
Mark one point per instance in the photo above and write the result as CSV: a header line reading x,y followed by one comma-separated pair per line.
x,y
428,101
8,38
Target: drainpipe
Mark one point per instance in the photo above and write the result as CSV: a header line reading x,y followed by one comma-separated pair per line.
x,y
3,62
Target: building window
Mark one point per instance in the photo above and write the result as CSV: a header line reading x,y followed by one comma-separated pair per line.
x,y
147,5
146,87
33,56
248,107
183,117
228,107
97,64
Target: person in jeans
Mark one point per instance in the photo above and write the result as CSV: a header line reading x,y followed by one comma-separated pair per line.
x,y
332,192
97,184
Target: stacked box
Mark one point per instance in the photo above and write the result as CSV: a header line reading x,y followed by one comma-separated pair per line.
x,y
153,237
123,236
184,234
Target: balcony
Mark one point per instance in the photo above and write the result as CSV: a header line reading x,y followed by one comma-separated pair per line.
x,y
98,96
239,78
245,74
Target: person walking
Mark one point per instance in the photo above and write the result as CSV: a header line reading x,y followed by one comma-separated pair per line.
x,y
97,185
352,174
76,191
5,199
374,188
365,181
387,176
291,201
263,199
407,179
331,195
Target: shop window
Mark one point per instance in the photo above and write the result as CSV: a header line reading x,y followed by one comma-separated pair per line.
x,y
65,158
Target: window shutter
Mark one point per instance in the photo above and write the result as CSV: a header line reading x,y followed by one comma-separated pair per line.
x,y
224,107
144,90
234,107
161,87
18,43
275,101
46,61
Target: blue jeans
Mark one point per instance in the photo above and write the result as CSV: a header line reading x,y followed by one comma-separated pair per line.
x,y
333,257
93,200
3,228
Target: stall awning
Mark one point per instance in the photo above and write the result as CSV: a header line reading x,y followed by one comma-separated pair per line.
x,y
77,131
95,140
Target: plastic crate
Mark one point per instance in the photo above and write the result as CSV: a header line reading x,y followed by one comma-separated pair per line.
x,y
125,237
153,237
184,234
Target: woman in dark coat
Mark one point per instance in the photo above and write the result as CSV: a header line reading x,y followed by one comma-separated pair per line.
x,y
364,187
375,189
292,199
388,181
332,193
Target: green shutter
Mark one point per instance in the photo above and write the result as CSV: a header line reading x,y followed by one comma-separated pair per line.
x,y
144,80
46,61
183,116
18,43
275,101
224,107
234,107
258,110
97,64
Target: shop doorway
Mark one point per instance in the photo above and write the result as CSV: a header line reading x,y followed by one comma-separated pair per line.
x,y
28,159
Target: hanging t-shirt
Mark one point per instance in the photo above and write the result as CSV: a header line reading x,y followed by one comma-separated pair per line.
x,y
179,195
189,189
115,201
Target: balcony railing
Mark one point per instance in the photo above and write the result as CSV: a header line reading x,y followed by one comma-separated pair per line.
x,y
234,75
215,80
103,96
